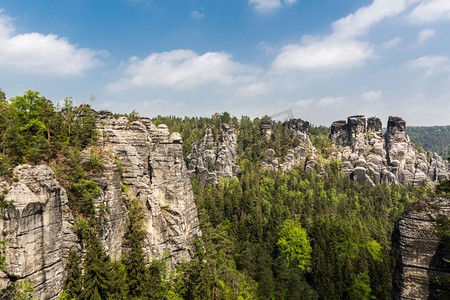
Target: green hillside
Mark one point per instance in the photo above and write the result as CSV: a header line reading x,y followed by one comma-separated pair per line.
x,y
433,138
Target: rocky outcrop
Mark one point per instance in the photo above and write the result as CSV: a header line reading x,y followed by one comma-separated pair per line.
x,y
266,127
215,156
419,251
153,168
144,158
369,155
38,230
295,156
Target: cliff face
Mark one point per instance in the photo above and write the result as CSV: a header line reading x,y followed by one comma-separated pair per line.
x,y
154,170
215,157
39,226
418,251
369,155
37,229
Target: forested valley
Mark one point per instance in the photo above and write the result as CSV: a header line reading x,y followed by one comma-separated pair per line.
x,y
266,234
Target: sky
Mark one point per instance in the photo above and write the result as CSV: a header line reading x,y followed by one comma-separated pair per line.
x,y
321,60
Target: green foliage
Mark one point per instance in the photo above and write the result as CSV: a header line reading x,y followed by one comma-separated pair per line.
x,y
443,187
433,138
294,245
73,282
97,271
78,179
32,130
360,289
136,270
21,290
348,227
118,280
375,250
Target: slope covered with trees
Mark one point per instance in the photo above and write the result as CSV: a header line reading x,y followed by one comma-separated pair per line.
x,y
432,138
266,234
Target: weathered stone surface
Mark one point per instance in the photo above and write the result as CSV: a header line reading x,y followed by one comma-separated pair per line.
x,y
215,157
298,125
266,127
154,169
38,228
418,251
388,158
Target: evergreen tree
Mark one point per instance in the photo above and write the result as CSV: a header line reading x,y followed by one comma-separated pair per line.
x,y
97,271
73,283
119,289
134,260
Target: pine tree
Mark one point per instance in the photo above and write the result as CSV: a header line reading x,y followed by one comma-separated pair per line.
x,y
73,283
134,261
97,271
119,290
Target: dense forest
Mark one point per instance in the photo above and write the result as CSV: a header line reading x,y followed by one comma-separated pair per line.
x,y
266,234
432,138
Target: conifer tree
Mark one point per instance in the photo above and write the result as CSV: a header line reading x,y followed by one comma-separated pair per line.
x,y
119,290
97,271
134,261
73,283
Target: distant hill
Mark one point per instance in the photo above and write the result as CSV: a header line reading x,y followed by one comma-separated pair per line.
x,y
433,138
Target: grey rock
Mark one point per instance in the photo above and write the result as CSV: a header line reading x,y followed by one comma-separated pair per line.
x,y
38,228
154,170
215,157
419,251
388,158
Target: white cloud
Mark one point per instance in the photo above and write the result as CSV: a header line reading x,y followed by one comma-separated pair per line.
x,y
431,63
181,69
425,35
330,101
392,43
342,48
195,14
431,10
269,5
266,48
254,89
37,53
304,103
372,95
327,53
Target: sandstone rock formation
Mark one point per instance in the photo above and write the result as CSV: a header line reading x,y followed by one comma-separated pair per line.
x,y
418,251
38,230
296,156
39,226
369,155
215,156
154,169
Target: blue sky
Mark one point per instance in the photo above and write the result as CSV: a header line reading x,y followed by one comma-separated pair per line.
x,y
324,60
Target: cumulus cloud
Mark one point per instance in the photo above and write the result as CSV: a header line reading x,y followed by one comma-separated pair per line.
x,y
253,89
392,43
342,48
195,14
269,5
37,53
372,95
430,11
330,101
181,69
304,103
425,35
327,53
431,63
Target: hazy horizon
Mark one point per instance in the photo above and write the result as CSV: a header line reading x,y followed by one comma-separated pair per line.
x,y
324,61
